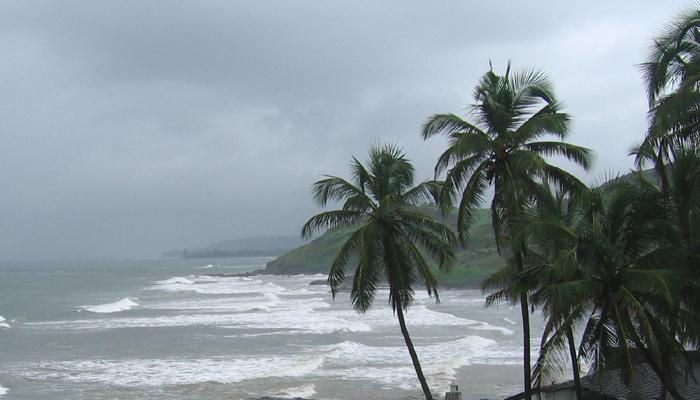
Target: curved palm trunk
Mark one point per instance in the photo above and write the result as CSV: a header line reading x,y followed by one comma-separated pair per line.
x,y
412,352
525,314
574,363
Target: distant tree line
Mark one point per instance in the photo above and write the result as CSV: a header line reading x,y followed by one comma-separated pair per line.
x,y
218,253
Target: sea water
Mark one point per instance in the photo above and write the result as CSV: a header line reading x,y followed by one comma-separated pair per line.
x,y
177,329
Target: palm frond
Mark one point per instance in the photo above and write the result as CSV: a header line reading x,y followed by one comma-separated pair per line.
x,y
579,155
472,197
331,220
424,193
446,124
423,268
351,247
464,147
334,188
546,121
370,266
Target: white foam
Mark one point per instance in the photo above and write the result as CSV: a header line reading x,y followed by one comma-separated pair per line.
x,y
232,305
177,279
510,321
485,326
266,301
121,305
313,277
304,391
418,315
3,390
421,315
387,365
266,310
3,324
160,372
392,365
217,285
303,319
275,333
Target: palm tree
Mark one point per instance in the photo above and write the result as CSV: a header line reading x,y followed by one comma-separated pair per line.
x,y
684,206
682,203
672,78
628,248
674,60
390,235
607,260
501,150
548,230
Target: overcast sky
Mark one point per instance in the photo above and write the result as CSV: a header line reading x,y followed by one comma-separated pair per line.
x,y
135,127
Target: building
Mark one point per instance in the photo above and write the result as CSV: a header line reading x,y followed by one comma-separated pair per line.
x,y
608,385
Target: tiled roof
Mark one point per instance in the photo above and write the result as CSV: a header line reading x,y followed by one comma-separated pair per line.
x,y
644,385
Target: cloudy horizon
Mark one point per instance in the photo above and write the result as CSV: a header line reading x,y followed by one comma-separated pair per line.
x,y
132,128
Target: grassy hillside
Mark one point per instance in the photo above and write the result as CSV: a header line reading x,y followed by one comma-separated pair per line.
x,y
471,266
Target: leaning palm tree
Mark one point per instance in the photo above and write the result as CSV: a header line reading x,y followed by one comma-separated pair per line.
x,y
390,235
501,150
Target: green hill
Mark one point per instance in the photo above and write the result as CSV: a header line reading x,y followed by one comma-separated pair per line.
x,y
471,267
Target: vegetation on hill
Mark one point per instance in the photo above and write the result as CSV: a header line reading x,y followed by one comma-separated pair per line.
x,y
471,267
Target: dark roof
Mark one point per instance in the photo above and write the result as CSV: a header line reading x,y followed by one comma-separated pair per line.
x,y
644,385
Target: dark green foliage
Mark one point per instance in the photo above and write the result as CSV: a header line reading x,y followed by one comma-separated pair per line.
x,y
472,265
502,149
389,240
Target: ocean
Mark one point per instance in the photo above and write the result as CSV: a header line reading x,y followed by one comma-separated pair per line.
x,y
168,329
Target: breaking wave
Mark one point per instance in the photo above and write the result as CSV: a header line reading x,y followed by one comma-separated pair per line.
x,y
121,305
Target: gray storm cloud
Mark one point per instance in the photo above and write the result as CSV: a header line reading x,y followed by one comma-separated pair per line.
x,y
130,128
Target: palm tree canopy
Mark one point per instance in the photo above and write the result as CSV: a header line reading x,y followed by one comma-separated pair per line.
x,y
502,147
672,78
392,239
626,245
605,261
674,59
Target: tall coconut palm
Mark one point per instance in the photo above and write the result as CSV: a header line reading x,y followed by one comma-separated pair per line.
x,y
501,150
389,234
548,231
